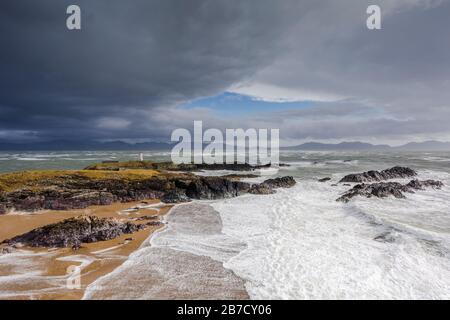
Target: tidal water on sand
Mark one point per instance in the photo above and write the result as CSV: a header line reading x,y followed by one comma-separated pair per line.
x,y
184,261
299,243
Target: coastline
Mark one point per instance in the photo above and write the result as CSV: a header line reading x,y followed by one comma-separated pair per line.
x,y
41,273
111,192
175,263
297,243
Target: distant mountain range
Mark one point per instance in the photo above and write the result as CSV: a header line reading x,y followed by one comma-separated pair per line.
x,y
66,145
344,146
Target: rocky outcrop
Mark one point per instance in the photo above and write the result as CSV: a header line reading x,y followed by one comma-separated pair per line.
x,y
209,188
67,199
54,199
81,193
380,190
385,189
176,196
74,231
282,182
324,179
422,185
269,186
261,189
372,176
66,190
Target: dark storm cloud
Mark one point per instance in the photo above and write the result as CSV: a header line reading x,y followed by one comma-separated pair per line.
x,y
134,62
129,57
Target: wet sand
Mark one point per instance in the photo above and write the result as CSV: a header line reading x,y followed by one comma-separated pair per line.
x,y
41,273
182,261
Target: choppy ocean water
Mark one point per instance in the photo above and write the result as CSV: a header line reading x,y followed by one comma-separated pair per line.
x,y
300,243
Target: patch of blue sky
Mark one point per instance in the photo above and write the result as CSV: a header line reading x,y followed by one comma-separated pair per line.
x,y
233,104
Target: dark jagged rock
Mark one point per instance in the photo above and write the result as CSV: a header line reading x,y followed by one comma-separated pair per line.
x,y
371,176
268,186
324,179
421,185
385,189
380,190
261,189
53,199
209,188
81,193
66,190
74,231
282,182
175,196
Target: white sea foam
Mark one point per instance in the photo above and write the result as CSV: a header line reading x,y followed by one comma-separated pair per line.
x,y
438,159
31,159
302,244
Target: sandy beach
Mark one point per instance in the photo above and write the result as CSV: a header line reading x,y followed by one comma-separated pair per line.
x,y
182,261
41,273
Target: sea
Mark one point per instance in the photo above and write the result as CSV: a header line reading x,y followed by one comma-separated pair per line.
x,y
299,243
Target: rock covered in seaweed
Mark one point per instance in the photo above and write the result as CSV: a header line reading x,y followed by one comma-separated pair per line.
x,y
421,185
371,176
261,189
66,189
281,182
175,196
74,231
385,189
269,186
209,188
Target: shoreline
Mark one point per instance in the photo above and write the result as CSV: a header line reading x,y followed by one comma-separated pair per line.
x,y
44,273
41,273
163,269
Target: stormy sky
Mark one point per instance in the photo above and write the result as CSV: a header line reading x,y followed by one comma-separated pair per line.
x,y
139,69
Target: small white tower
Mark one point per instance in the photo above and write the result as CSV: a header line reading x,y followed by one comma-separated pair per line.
x,y
141,156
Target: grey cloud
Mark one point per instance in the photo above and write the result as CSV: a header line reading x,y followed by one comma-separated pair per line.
x,y
134,62
129,57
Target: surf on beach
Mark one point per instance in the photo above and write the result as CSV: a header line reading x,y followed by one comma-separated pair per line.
x,y
387,242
